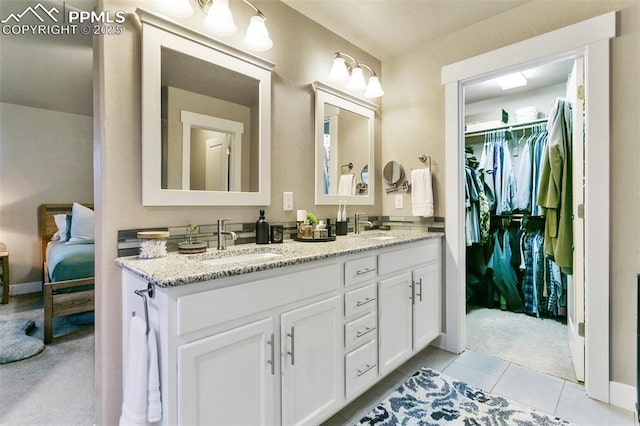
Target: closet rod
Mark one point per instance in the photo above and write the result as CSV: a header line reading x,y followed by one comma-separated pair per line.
x,y
508,127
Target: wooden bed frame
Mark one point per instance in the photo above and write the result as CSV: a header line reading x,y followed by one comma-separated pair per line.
x,y
58,305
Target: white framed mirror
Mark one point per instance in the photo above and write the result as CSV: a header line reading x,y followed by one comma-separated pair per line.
x,y
344,146
206,119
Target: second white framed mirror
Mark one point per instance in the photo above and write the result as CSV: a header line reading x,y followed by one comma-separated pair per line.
x,y
344,146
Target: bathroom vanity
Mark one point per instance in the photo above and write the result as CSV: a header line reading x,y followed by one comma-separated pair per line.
x,y
288,333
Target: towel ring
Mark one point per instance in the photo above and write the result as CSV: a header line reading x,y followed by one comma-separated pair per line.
x,y
349,165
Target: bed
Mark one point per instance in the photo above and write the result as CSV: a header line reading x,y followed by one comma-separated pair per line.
x,y
68,270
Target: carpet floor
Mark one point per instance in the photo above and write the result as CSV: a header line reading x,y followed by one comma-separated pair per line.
x,y
539,344
55,387
432,398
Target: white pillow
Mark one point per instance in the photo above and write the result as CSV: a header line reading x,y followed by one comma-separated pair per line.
x,y
61,224
81,225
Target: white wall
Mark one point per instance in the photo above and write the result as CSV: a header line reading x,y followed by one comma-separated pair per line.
x,y
45,157
414,114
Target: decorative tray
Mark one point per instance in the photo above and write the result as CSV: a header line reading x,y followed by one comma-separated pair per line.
x,y
314,240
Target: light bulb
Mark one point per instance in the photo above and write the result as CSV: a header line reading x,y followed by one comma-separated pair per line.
x,y
257,37
339,70
220,19
374,89
356,80
179,8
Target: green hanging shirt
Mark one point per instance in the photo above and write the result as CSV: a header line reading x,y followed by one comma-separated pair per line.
x,y
555,193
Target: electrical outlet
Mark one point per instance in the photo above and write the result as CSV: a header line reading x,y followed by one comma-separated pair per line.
x,y
287,201
399,201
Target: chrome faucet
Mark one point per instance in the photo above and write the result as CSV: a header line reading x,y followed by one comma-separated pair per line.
x,y
222,241
356,226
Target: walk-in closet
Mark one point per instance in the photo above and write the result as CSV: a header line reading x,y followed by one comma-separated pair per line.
x,y
522,180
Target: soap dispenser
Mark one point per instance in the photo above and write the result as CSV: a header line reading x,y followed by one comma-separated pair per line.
x,y
262,229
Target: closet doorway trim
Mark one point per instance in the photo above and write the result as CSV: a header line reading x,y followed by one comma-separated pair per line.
x,y
589,39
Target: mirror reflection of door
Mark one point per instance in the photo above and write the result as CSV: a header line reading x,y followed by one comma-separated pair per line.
x,y
345,141
210,160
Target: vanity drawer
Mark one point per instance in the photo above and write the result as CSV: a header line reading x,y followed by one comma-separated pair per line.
x,y
361,367
405,258
360,300
360,270
201,310
360,330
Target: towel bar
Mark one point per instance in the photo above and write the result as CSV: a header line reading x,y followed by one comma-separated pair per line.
x,y
150,290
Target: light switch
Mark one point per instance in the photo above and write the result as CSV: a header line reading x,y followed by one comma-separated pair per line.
x,y
287,201
399,201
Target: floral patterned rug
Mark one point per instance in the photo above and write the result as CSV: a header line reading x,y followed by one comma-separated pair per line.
x,y
432,398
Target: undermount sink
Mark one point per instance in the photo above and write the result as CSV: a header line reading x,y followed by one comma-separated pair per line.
x,y
241,258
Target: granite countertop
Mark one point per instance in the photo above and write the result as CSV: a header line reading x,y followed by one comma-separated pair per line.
x,y
178,269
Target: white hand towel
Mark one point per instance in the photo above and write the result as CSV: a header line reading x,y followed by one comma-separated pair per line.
x,y
347,185
421,193
142,385
154,403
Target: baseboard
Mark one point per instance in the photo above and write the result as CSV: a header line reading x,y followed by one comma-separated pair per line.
x,y
24,288
623,396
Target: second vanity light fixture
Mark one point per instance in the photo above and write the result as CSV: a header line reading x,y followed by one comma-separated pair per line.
x,y
220,20
353,75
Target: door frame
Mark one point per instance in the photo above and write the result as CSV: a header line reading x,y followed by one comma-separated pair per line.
x,y
589,39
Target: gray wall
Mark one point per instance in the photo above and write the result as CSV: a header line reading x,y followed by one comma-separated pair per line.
x,y
303,52
414,113
46,141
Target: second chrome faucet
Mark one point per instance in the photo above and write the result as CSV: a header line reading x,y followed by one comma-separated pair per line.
x,y
222,240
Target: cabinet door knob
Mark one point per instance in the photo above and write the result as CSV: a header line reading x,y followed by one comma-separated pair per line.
x,y
292,351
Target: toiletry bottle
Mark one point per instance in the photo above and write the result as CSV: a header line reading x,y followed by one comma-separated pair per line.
x,y
262,230
339,214
329,228
344,211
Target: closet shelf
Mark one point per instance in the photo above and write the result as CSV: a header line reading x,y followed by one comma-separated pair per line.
x,y
509,127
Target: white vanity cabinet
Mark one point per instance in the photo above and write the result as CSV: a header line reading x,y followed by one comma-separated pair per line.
x,y
409,301
293,344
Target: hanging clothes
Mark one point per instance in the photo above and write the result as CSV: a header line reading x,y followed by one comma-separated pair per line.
x,y
504,277
523,178
555,196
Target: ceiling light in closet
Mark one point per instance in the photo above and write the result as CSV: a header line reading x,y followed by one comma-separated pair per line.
x,y
511,81
353,75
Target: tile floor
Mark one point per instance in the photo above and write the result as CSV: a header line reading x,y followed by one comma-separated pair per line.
x,y
545,393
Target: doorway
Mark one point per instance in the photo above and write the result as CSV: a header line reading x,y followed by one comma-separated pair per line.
x,y
517,303
589,39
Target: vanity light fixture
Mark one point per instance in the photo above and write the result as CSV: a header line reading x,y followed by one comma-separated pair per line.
x,y
221,22
353,75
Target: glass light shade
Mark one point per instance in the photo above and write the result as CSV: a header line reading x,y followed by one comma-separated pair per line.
x,y
356,80
219,18
374,89
257,37
339,70
179,8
